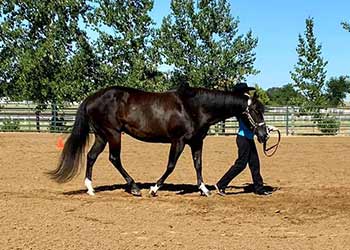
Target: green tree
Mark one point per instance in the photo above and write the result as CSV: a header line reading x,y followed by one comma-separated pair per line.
x,y
38,40
202,42
81,73
336,90
125,44
346,26
283,96
263,96
310,72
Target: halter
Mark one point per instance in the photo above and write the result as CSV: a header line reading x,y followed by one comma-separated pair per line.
x,y
268,151
253,123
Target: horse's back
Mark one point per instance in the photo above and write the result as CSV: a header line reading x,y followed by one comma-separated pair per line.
x,y
149,116
153,116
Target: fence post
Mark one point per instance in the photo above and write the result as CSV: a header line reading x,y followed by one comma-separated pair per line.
x,y
37,119
222,126
287,121
292,119
54,116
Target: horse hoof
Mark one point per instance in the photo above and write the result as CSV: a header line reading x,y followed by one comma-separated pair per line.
x,y
92,193
207,194
153,190
153,193
204,190
88,185
135,191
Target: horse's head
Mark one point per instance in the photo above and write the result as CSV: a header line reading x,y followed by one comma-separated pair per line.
x,y
253,118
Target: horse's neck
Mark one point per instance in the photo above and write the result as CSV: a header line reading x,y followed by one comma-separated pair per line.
x,y
219,106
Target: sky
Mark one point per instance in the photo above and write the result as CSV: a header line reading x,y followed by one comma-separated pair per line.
x,y
277,24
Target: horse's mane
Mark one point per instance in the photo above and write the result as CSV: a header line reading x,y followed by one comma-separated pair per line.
x,y
184,89
259,106
217,97
214,98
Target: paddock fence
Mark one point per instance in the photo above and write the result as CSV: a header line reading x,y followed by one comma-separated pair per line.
x,y
291,121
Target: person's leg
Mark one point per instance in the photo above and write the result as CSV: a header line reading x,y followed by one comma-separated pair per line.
x,y
254,165
239,165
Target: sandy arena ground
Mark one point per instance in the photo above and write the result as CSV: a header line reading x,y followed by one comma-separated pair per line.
x,y
309,210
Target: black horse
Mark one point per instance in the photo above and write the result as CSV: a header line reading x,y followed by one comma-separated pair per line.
x,y
181,116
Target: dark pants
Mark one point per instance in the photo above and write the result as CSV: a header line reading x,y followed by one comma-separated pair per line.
x,y
247,154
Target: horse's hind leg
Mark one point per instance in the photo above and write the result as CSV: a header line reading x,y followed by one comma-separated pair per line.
x,y
175,151
94,152
114,142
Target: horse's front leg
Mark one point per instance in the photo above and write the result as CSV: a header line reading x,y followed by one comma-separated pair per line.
x,y
175,151
196,149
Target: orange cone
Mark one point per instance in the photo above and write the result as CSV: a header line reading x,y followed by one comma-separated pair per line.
x,y
60,143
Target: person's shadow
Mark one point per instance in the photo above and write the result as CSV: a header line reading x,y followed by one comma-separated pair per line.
x,y
179,189
248,188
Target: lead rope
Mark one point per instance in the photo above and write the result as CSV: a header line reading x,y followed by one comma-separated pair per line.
x,y
273,147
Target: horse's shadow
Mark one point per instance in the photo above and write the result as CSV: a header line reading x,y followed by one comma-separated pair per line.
x,y
179,189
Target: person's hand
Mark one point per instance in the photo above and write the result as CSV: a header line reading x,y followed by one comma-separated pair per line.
x,y
271,128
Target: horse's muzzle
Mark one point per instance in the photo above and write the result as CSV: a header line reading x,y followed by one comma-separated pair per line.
x,y
262,136
262,139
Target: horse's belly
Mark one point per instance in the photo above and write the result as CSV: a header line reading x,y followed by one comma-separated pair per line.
x,y
147,135
156,125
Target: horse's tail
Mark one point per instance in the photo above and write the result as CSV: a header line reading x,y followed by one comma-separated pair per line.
x,y
71,156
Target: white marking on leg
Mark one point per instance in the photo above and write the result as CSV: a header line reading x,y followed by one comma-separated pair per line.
x,y
204,189
153,190
88,184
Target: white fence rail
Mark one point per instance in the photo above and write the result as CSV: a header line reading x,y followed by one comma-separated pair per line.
x,y
290,120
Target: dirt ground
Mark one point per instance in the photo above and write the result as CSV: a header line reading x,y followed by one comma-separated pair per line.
x,y
310,208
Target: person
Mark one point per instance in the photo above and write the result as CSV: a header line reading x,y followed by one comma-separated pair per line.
x,y
247,154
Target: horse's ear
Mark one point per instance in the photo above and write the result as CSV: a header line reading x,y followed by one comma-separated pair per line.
x,y
184,84
255,96
185,89
258,102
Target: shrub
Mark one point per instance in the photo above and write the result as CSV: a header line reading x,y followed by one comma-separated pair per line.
x,y
328,125
10,125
